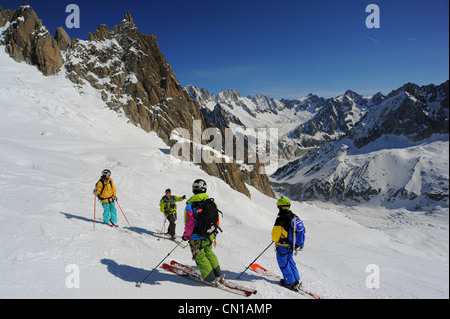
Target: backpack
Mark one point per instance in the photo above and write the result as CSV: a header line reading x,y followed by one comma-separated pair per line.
x,y
296,234
103,188
208,219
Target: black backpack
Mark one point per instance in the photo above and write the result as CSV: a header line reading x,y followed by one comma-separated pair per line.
x,y
208,219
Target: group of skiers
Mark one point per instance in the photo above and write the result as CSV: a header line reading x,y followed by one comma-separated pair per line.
x,y
201,232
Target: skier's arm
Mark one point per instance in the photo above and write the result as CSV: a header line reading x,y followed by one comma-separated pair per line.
x,y
276,233
97,188
179,199
162,206
279,233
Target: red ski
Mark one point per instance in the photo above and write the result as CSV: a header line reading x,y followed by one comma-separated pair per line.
x,y
263,271
192,275
228,284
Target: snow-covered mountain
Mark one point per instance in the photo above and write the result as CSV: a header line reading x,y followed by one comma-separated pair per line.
x,y
397,154
55,143
335,132
333,119
230,109
303,124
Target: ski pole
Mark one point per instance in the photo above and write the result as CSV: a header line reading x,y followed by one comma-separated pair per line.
x,y
139,284
123,214
162,229
95,206
255,260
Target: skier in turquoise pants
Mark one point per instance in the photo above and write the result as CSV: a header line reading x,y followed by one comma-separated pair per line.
x,y
109,213
106,193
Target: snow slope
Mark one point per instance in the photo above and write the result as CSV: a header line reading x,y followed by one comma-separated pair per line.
x,y
55,140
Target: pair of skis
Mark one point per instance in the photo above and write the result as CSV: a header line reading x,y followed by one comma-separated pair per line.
x,y
262,271
195,275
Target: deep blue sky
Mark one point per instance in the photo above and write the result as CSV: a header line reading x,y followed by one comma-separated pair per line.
x,y
281,48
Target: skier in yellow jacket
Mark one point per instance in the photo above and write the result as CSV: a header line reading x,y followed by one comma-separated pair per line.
x,y
285,250
106,193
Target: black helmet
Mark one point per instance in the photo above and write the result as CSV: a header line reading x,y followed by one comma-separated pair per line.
x,y
106,172
199,186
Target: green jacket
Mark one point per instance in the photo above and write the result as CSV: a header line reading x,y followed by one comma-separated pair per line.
x,y
168,206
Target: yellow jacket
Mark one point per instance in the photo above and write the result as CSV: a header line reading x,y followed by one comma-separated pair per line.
x,y
105,190
281,228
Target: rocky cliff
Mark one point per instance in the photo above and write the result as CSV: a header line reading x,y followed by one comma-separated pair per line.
x,y
26,39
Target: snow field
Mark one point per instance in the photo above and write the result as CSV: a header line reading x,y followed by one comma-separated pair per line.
x,y
55,140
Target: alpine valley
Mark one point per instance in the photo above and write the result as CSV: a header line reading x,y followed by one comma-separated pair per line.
x,y
389,150
368,175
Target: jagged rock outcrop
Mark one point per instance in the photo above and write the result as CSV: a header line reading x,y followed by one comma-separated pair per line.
x,y
26,39
62,39
134,77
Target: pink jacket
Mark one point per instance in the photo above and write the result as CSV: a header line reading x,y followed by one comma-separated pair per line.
x,y
190,224
189,217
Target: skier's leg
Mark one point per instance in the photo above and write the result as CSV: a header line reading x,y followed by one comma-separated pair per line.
x,y
171,229
106,215
202,262
293,268
113,212
283,263
212,258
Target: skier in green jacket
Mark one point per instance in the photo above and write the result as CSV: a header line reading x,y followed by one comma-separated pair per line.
x,y
169,208
201,246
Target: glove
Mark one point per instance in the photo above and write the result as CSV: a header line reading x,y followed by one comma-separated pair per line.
x,y
95,190
184,239
116,199
184,197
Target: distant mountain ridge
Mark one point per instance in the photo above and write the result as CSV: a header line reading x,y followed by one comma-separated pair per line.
x,y
303,124
385,149
321,120
397,153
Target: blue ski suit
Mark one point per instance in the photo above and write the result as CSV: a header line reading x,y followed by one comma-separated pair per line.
x,y
285,251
